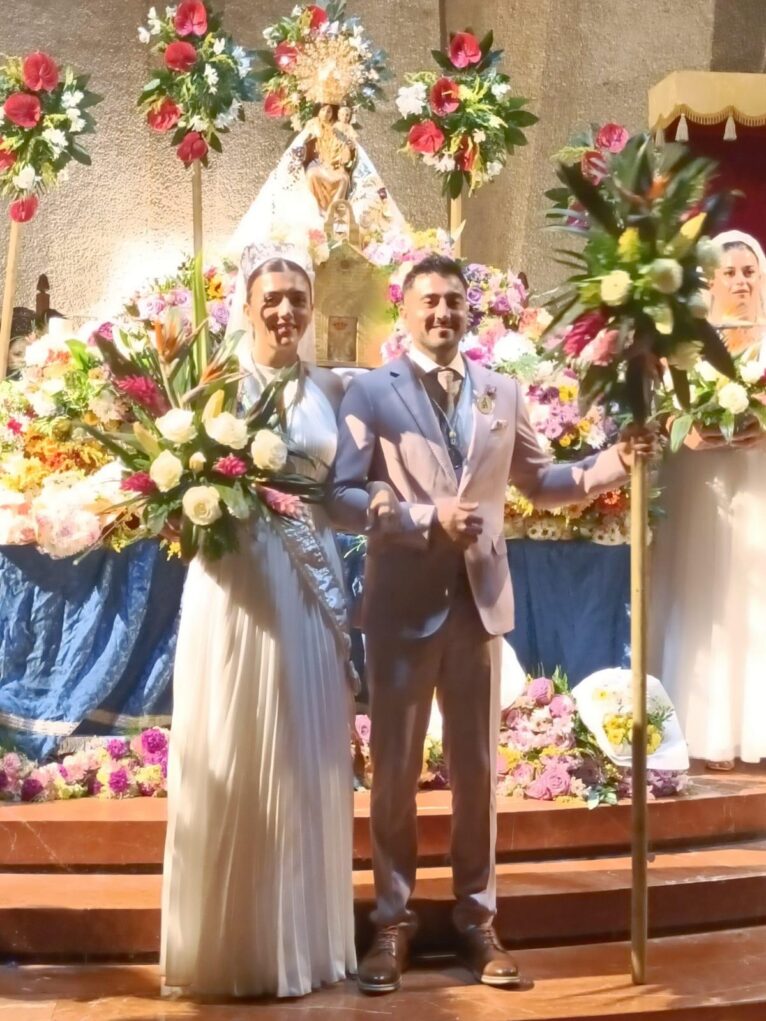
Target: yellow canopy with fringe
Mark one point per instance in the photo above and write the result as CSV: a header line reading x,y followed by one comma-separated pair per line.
x,y
707,97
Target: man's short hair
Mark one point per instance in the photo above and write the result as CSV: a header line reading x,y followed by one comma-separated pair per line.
x,y
440,264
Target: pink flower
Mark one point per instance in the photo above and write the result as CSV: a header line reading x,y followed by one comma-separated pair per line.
x,y
445,97
24,210
539,789
7,158
231,466
139,482
464,49
395,293
41,73
540,691
191,18
612,137
119,782
318,16
285,56
15,426
363,728
523,774
23,109
276,104
153,747
31,788
192,148
582,331
118,747
602,349
593,166
557,779
287,504
562,705
425,138
181,57
144,391
164,116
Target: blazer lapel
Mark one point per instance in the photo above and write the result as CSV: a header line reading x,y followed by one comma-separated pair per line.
x,y
482,421
407,386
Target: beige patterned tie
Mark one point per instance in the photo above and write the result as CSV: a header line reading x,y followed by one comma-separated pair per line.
x,y
449,384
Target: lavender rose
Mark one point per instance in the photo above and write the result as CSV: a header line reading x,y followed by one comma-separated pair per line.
x,y
556,779
541,691
562,705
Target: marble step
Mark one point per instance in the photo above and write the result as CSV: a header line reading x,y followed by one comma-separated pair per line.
x,y
130,834
83,915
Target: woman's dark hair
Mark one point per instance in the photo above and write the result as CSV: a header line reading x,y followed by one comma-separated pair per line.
x,y
277,265
439,264
739,244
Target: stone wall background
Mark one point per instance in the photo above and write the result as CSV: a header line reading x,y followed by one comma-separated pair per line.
x,y
128,217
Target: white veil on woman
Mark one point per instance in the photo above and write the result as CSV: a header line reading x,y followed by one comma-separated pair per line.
x,y
738,237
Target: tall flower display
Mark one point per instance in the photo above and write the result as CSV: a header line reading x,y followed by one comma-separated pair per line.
x,y
463,120
199,92
317,56
45,110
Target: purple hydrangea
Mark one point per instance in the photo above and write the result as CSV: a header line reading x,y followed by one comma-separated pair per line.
x,y
154,746
4,781
118,747
119,781
31,788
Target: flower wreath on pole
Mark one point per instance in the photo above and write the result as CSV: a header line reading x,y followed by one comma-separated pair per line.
x,y
636,299
44,111
317,56
200,92
463,120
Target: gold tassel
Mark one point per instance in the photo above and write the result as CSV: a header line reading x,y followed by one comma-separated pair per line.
x,y
730,131
682,131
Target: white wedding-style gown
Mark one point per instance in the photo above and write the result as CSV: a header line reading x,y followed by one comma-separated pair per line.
x,y
708,600
257,896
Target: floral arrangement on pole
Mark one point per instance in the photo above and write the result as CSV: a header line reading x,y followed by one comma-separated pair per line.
x,y
463,120
638,291
45,111
200,92
318,56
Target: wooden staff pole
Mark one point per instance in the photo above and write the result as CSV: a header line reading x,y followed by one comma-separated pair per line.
x,y
455,220
11,271
197,205
638,562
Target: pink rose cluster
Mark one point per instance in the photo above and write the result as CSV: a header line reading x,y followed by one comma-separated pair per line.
x,y
610,139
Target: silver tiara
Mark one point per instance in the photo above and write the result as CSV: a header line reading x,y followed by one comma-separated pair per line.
x,y
264,251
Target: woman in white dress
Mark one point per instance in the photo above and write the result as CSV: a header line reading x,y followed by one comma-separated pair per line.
x,y
709,593
257,896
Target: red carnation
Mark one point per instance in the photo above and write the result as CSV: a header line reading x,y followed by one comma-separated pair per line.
x,y
193,147
24,210
144,391
276,105
165,116
445,97
191,18
318,16
465,156
426,137
285,56
231,466
7,158
23,109
612,137
582,331
139,482
593,166
40,72
464,49
180,57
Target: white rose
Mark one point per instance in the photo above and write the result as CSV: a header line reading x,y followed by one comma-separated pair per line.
x,y
512,347
699,304
228,430
166,471
25,179
616,287
666,275
202,505
545,370
197,462
144,35
500,89
707,372
733,397
177,426
268,451
751,372
411,99
708,256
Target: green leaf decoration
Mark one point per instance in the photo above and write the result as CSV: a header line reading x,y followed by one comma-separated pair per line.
x,y
679,431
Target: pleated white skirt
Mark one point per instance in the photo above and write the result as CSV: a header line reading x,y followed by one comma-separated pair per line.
x,y
257,896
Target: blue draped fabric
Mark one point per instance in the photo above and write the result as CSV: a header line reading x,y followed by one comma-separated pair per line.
x,y
85,647
572,606
89,648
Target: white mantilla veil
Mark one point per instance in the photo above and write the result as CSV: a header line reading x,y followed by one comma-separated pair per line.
x,y
252,256
738,237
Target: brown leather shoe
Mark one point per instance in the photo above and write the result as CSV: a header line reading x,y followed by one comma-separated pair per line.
x,y
381,969
487,959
